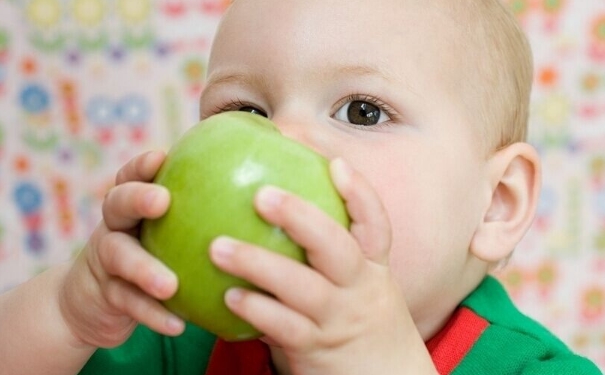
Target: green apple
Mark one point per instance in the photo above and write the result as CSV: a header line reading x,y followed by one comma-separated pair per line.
x,y
213,173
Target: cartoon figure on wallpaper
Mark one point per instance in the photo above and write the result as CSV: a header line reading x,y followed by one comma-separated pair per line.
x,y
596,48
92,25
422,108
180,8
549,11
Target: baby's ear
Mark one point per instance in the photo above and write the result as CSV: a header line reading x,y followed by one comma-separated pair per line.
x,y
515,180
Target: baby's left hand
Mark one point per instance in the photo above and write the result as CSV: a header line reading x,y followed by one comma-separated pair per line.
x,y
343,315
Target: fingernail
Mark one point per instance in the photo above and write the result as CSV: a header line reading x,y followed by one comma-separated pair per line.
x,y
341,171
151,160
155,153
233,296
154,195
174,324
161,282
150,197
222,249
270,197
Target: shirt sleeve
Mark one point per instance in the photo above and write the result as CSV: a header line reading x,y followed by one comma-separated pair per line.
x,y
562,365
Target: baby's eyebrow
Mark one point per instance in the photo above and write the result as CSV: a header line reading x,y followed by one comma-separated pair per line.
x,y
360,70
221,78
326,74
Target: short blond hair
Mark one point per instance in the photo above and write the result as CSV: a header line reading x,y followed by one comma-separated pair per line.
x,y
498,72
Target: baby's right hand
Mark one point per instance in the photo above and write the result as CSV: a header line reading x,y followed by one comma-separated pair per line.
x,y
114,284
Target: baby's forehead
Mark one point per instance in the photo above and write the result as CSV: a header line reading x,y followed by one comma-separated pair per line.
x,y
380,33
430,21
387,34
384,20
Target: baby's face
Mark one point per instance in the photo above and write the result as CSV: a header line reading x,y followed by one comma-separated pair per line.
x,y
374,82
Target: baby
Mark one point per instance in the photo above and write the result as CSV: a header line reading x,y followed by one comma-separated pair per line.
x,y
422,108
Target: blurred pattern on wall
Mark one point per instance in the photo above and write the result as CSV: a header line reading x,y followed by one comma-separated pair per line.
x,y
558,273
87,84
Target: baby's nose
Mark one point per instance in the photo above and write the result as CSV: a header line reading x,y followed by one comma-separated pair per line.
x,y
305,132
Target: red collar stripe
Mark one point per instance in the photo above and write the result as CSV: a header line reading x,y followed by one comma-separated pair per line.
x,y
449,347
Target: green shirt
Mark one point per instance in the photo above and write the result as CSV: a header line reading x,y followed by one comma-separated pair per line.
x,y
148,353
486,335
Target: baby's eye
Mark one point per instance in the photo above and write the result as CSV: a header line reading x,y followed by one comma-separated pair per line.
x,y
361,112
252,110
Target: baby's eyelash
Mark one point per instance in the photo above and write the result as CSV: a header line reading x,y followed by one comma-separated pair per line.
x,y
232,105
236,104
390,111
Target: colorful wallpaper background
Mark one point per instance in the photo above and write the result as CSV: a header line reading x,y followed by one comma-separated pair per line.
x,y
87,84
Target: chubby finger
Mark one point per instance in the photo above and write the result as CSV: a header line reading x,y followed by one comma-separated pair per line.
x,y
285,326
370,223
294,284
329,246
121,256
126,204
137,305
141,168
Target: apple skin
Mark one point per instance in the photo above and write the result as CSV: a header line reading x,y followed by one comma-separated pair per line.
x,y
213,173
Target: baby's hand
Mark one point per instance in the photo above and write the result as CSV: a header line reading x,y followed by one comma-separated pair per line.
x,y
345,314
114,283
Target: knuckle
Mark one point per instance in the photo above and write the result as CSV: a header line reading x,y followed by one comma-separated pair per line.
x,y
128,172
107,201
122,175
94,241
135,307
117,319
249,257
110,253
139,164
285,201
318,293
299,335
113,294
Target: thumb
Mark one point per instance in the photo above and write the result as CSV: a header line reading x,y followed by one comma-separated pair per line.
x,y
370,225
